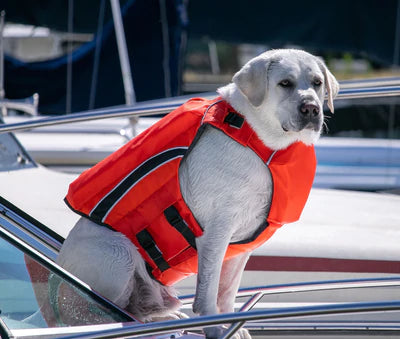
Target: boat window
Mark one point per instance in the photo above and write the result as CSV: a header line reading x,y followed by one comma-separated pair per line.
x,y
365,118
32,296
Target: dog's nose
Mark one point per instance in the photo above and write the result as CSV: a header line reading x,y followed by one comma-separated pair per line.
x,y
309,109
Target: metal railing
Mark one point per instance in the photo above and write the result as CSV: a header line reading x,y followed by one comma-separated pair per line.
x,y
370,89
257,293
370,82
28,105
31,231
262,315
310,286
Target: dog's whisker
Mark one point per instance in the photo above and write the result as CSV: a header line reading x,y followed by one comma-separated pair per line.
x,y
325,127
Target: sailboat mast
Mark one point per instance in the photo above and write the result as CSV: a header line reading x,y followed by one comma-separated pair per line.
x,y
130,97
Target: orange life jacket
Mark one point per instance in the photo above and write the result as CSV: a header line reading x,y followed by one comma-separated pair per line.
x,y
136,189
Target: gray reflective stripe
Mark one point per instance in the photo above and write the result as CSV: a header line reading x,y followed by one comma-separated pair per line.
x,y
270,158
102,209
208,108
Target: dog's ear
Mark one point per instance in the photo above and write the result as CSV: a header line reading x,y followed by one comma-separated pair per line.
x,y
252,80
331,85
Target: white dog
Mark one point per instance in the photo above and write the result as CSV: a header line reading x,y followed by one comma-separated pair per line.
x,y
280,94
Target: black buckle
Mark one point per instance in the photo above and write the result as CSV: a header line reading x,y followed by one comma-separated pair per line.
x,y
234,119
173,217
147,242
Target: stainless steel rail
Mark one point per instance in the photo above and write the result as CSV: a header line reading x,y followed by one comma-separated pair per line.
x,y
246,307
368,92
117,112
28,105
158,107
311,287
370,82
275,314
31,233
256,293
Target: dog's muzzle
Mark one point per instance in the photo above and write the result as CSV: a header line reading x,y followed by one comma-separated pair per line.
x,y
309,110
309,116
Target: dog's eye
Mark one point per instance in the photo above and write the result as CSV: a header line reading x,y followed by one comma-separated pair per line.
x,y
286,83
317,82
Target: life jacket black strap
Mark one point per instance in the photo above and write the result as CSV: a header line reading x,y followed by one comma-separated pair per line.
x,y
234,119
147,242
173,217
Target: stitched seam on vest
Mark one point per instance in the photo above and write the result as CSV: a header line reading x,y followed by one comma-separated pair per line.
x,y
108,202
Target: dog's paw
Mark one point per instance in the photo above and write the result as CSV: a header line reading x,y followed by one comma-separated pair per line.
x,y
242,334
213,332
181,315
218,331
176,315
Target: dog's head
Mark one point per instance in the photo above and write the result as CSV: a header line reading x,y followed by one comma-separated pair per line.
x,y
281,93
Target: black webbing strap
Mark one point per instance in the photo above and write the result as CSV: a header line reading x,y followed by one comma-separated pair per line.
x,y
147,242
173,217
234,119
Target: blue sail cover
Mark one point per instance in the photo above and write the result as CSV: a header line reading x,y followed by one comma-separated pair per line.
x,y
152,56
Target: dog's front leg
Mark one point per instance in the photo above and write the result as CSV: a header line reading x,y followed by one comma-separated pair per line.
x,y
231,275
211,251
